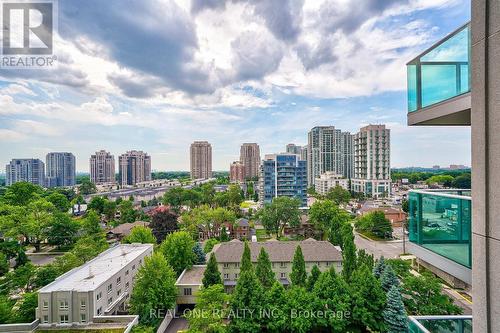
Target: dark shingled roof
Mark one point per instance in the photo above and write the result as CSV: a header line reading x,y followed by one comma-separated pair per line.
x,y
242,222
278,251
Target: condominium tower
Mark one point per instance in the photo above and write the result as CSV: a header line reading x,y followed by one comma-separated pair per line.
x,y
60,169
201,160
250,157
102,167
283,175
328,149
25,170
237,172
134,167
372,161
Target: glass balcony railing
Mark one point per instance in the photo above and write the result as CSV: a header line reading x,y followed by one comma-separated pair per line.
x,y
440,221
440,324
441,72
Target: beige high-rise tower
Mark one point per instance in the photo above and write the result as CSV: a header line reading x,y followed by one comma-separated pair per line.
x,y
102,167
135,167
250,158
201,160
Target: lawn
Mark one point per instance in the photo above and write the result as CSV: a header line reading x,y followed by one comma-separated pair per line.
x,y
261,235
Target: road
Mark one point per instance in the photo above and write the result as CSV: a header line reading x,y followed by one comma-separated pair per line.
x,y
389,249
177,324
42,259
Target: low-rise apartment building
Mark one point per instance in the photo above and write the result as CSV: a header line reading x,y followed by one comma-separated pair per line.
x,y
329,180
100,287
320,253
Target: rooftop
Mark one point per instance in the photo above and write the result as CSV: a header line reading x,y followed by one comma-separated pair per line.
x,y
279,251
191,276
125,228
93,273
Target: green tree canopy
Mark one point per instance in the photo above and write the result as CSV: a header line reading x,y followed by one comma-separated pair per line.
x,y
298,276
338,195
212,274
264,270
394,313
140,234
210,310
178,250
281,212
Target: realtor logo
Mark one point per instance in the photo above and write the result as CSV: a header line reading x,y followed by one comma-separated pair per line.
x,y
27,34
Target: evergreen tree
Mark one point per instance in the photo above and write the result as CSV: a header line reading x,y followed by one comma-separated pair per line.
x,y
364,258
348,252
212,274
199,254
389,279
246,261
299,275
379,267
264,270
395,313
274,305
311,280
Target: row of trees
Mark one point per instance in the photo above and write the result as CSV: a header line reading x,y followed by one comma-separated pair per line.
x,y
456,179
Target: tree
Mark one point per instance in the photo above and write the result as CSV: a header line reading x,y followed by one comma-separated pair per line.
x,y
368,300
423,296
127,212
199,254
274,304
154,289
348,252
375,223
311,280
209,244
401,267
59,201
463,181
21,193
91,224
4,264
140,234
62,231
364,258
405,206
178,250
389,279
394,313
163,223
36,222
5,309
379,267
87,187
264,270
212,274
26,311
210,310
338,195
332,295
281,212
298,299
97,204
246,260
45,275
327,216
298,276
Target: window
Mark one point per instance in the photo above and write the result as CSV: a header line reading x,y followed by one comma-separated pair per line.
x,y
328,263
235,275
119,280
83,303
45,304
118,293
63,305
99,311
110,300
45,319
237,265
126,285
318,263
98,297
282,264
63,319
226,276
133,267
283,275
110,288
126,272
226,265
83,318
187,292
140,261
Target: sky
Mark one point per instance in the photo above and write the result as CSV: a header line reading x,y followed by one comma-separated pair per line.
x,y
158,75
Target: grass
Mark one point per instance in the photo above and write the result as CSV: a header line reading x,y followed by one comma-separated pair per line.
x,y
261,235
371,236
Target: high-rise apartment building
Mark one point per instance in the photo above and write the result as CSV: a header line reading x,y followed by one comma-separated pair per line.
x,y
102,167
250,157
372,161
61,169
237,172
292,148
135,167
283,175
328,149
25,170
201,160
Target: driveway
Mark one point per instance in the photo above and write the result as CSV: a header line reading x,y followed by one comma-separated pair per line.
x,y
388,249
177,324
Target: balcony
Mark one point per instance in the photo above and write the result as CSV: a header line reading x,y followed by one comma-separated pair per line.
x,y
440,230
439,82
440,324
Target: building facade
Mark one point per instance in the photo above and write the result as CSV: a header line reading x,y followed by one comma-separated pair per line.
x,y
330,180
250,157
135,167
61,169
100,287
372,161
283,175
328,149
102,168
201,160
25,170
237,172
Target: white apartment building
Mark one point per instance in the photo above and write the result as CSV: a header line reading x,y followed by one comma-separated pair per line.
x,y
25,170
329,180
372,161
100,287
